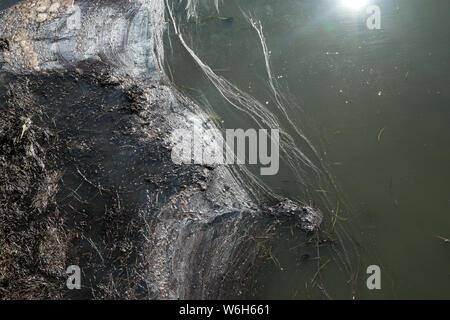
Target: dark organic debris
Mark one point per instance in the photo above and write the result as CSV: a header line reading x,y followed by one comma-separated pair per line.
x,y
307,218
51,216
4,45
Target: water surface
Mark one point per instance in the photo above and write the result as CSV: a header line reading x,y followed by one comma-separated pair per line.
x,y
376,105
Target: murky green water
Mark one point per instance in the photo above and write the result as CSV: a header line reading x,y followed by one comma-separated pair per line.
x,y
376,104
7,3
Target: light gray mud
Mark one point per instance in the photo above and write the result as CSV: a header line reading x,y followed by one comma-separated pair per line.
x,y
87,177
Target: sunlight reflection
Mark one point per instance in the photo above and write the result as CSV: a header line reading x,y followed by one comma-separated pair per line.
x,y
354,4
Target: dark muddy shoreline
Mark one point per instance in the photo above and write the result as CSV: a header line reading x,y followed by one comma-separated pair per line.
x,y
83,174
74,184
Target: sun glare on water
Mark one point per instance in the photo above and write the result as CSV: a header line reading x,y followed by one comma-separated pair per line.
x,y
354,4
